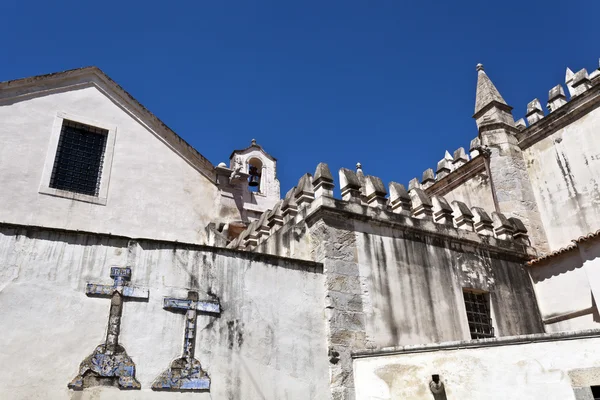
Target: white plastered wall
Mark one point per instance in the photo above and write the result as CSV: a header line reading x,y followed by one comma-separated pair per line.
x,y
566,288
564,169
539,370
153,192
268,342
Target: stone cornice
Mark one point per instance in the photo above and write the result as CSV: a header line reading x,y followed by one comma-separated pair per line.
x,y
576,108
492,104
498,125
479,343
29,230
339,209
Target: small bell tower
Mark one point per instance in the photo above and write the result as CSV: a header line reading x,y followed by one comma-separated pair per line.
x,y
262,187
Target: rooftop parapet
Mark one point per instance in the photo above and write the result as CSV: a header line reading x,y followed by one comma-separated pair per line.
x,y
581,82
401,207
349,185
577,84
323,181
399,200
534,112
304,193
375,192
556,98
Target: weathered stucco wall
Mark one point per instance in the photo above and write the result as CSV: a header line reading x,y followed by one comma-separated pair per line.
x,y
151,190
395,280
540,368
413,287
564,287
474,191
271,328
564,169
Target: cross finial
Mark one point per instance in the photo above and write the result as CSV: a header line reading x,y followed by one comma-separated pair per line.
x,y
479,67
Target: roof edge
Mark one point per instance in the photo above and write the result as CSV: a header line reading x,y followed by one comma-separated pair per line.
x,y
27,86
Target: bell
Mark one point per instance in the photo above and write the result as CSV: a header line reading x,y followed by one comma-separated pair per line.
x,y
254,177
254,181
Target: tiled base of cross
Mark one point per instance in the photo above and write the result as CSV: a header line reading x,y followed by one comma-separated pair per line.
x,y
186,373
109,360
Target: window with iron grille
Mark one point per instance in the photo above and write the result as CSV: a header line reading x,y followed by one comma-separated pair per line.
x,y
79,158
595,392
478,315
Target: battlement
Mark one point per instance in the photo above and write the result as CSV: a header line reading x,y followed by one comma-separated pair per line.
x,y
577,84
366,197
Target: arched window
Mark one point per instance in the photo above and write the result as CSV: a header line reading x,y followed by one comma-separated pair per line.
x,y
254,170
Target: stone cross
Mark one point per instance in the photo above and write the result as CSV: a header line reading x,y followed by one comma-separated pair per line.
x,y
186,373
109,360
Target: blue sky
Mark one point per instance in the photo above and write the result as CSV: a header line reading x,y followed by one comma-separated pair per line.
x,y
388,83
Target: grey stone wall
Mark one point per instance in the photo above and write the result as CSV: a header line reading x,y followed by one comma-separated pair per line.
x,y
414,284
267,343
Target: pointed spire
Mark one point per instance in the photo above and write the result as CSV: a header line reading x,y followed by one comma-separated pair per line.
x,y
486,91
489,104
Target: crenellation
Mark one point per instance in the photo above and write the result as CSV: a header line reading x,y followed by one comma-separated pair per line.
x,y
375,192
581,82
304,193
474,147
275,217
556,98
482,222
251,239
422,208
520,231
399,200
428,178
323,181
442,212
444,167
413,203
534,112
569,81
463,217
414,184
262,227
460,158
503,229
289,207
520,124
350,186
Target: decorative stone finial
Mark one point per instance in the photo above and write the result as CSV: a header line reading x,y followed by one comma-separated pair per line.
x,y
358,166
479,67
253,142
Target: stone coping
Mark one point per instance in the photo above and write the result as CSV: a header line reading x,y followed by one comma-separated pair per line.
x,y
428,227
479,343
574,109
267,258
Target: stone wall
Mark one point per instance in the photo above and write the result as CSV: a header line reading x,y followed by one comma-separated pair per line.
x,y
533,367
395,268
267,343
413,287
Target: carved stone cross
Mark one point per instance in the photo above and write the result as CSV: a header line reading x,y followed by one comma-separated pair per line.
x,y
186,373
109,361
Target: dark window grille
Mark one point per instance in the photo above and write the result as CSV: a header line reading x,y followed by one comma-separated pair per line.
x,y
478,315
596,392
79,158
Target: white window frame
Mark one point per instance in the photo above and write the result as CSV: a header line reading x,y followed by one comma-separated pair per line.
x,y
102,197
